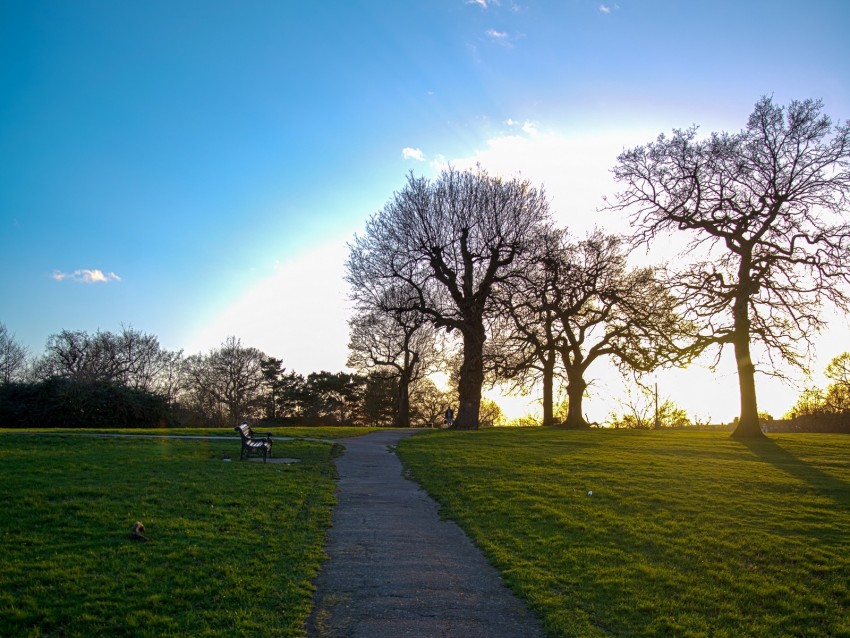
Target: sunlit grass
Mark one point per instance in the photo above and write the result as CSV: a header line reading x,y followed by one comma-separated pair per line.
x,y
233,545
685,534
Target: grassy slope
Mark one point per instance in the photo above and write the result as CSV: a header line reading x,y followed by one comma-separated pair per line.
x,y
685,534
234,546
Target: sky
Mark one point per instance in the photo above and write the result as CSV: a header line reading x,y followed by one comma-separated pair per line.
x,y
195,169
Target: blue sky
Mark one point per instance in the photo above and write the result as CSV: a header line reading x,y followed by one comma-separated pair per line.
x,y
194,169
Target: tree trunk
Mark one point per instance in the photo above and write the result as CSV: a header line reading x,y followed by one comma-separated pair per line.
x,y
748,421
471,379
548,383
576,386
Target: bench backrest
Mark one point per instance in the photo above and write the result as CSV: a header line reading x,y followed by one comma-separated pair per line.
x,y
245,431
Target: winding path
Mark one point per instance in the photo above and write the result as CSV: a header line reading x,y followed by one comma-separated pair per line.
x,y
396,569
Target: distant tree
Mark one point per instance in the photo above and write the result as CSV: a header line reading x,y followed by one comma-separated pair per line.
x,y
491,413
561,410
427,402
292,397
605,309
523,349
130,358
392,340
13,357
837,398
334,398
767,207
379,403
810,401
641,411
450,242
170,378
272,371
228,380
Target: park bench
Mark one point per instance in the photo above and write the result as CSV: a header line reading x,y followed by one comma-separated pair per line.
x,y
254,443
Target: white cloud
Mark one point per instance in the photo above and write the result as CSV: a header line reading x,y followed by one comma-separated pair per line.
x,y
530,128
607,9
413,153
527,127
484,4
574,169
86,276
501,37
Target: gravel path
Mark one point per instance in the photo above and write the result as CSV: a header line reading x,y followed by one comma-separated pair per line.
x,y
396,569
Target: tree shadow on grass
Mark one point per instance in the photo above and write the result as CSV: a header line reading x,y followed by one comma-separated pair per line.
x,y
769,451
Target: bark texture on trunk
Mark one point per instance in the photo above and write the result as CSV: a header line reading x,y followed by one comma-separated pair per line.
x,y
576,386
748,422
471,380
548,385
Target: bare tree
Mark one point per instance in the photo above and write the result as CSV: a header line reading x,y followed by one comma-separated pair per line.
x,y
13,357
450,242
130,358
427,402
767,207
170,378
400,342
584,303
523,348
230,376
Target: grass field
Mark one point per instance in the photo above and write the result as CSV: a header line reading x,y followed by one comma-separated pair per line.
x,y
234,545
685,534
285,432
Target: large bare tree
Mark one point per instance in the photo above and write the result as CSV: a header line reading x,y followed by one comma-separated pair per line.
x,y
451,242
767,210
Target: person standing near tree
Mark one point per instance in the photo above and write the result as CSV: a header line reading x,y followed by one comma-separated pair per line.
x,y
449,417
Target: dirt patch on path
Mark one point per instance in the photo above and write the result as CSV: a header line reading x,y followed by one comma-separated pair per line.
x,y
396,569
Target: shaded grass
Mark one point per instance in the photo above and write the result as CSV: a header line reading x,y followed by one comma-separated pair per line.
x,y
234,546
685,534
325,432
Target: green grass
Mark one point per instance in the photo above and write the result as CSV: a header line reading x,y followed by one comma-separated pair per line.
x,y
234,545
294,432
685,534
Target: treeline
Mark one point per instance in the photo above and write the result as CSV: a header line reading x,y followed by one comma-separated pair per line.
x,y
127,379
823,410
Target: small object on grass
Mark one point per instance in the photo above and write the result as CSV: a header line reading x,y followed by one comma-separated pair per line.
x,y
590,492
136,532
